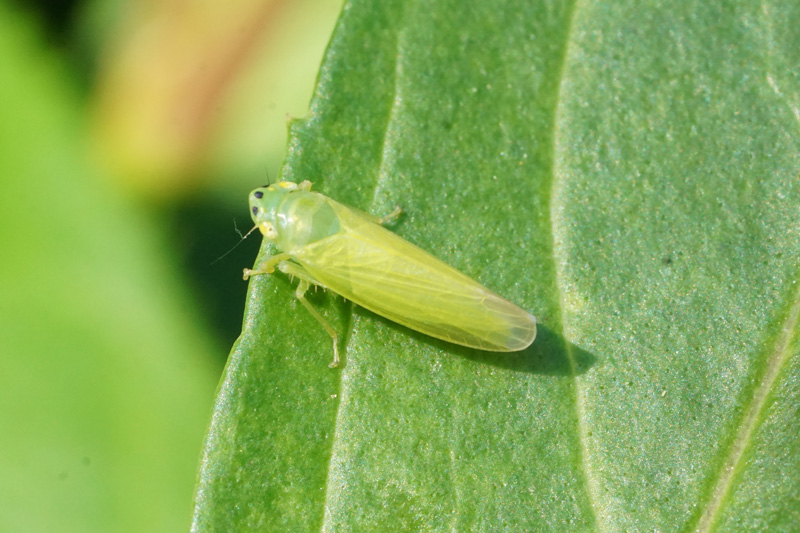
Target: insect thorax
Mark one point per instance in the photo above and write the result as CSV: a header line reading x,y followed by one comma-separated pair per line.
x,y
303,218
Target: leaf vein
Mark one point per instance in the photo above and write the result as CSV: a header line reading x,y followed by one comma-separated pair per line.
x,y
382,176
758,402
592,490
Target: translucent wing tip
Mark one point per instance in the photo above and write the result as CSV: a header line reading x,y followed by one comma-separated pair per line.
x,y
521,334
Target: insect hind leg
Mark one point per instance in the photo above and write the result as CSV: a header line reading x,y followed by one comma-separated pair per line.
x,y
306,279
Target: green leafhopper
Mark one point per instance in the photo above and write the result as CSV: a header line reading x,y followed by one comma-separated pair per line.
x,y
322,242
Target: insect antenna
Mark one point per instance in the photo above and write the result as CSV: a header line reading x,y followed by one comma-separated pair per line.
x,y
269,179
243,237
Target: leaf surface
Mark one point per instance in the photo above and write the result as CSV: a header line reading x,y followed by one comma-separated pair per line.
x,y
626,171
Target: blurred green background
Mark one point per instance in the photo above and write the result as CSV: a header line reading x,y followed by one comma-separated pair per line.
x,y
130,135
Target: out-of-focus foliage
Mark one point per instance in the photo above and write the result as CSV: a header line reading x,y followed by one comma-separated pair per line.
x,y
109,338
190,90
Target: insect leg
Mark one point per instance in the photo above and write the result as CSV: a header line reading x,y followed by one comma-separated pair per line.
x,y
306,280
380,220
267,266
391,217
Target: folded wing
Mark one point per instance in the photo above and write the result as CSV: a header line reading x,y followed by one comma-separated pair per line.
x,y
386,274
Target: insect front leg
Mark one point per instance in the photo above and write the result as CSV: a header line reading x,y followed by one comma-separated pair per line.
x,y
293,269
267,266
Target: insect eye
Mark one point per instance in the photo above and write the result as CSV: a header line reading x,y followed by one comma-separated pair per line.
x,y
258,194
255,210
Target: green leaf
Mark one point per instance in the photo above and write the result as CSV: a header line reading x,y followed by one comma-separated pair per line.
x,y
627,171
